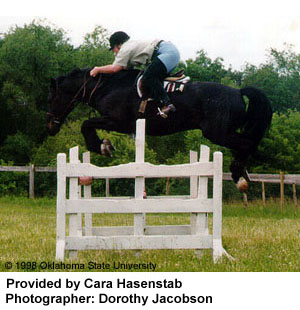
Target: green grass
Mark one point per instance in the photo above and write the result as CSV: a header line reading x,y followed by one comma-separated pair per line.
x,y
259,238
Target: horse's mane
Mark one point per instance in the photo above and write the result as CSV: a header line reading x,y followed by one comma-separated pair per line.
x,y
122,78
128,74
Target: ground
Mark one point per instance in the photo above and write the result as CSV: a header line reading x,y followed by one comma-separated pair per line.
x,y
259,238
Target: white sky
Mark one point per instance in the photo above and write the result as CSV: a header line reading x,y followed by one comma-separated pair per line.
x,y
237,30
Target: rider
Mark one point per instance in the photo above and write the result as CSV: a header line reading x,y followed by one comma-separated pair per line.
x,y
161,58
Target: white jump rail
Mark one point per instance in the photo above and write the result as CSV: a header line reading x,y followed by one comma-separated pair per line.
x,y
139,236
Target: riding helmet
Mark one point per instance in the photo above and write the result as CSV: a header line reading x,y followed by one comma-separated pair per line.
x,y
118,38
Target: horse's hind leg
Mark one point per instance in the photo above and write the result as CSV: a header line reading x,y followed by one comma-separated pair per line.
x,y
239,174
93,142
241,148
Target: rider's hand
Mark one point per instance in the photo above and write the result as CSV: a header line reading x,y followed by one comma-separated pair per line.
x,y
94,71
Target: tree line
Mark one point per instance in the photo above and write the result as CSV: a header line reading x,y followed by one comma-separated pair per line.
x,y
33,54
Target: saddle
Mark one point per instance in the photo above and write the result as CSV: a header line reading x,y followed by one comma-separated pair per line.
x,y
173,83
176,76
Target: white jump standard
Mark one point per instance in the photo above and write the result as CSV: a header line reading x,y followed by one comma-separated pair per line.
x,y
139,236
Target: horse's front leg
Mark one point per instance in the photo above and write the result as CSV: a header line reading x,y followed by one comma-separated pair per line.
x,y
93,142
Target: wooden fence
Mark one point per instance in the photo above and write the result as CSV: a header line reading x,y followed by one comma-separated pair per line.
x,y
140,236
282,179
31,170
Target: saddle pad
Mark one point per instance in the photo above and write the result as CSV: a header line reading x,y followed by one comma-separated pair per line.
x,y
169,86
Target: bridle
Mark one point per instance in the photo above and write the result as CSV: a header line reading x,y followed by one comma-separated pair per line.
x,y
59,119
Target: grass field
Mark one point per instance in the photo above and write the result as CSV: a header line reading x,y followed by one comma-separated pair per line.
x,y
259,238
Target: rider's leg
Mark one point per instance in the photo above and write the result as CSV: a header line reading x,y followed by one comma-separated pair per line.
x,y
152,82
169,55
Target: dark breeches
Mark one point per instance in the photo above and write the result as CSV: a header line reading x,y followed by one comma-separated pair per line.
x,y
152,81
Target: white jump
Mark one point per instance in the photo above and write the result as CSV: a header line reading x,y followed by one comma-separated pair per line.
x,y
139,236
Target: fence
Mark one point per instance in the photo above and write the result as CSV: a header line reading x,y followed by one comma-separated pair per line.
x,y
282,179
31,170
193,236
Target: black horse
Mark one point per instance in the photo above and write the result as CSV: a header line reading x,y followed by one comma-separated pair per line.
x,y
219,111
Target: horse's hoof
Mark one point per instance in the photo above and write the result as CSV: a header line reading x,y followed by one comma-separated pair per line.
x,y
85,181
107,148
242,185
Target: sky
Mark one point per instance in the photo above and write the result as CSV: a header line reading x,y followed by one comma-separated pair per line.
x,y
238,31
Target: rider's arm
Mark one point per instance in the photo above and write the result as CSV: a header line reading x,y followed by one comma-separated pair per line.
x,y
106,69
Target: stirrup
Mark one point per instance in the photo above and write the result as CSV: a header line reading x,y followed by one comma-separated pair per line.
x,y
161,113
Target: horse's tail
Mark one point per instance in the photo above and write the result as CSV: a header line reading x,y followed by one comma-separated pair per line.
x,y
259,114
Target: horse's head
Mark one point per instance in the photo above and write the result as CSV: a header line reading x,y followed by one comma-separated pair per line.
x,y
61,99
76,86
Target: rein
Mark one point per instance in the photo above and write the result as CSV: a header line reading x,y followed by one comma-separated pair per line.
x,y
58,119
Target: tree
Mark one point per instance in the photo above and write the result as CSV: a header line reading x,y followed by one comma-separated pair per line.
x,y
204,68
279,78
94,51
281,146
29,57
99,38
